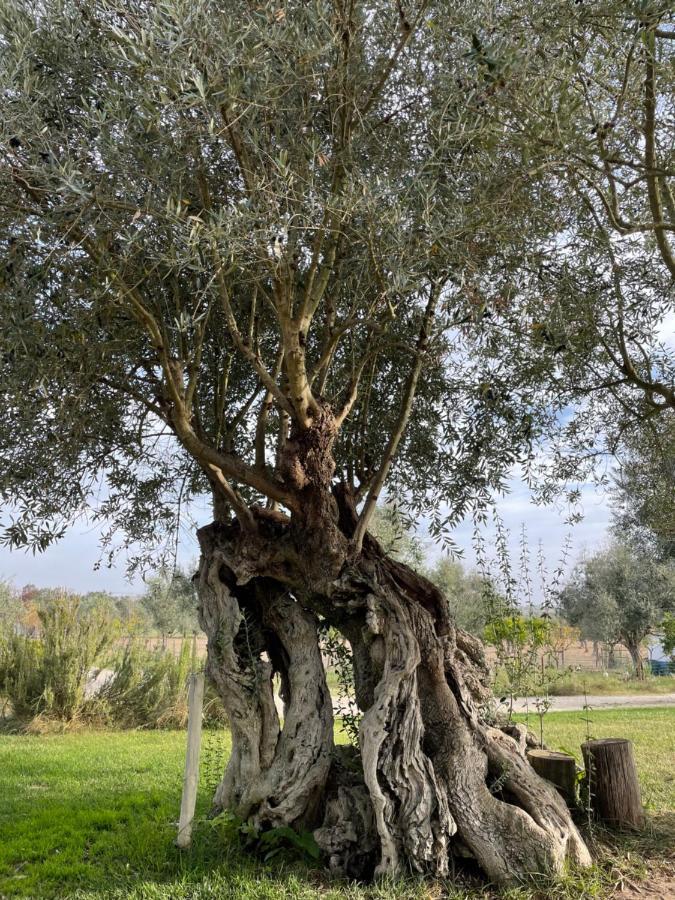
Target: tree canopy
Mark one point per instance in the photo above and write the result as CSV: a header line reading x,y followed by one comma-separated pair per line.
x,y
645,487
219,223
293,255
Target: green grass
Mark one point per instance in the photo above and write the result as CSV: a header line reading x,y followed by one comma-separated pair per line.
x,y
91,815
652,732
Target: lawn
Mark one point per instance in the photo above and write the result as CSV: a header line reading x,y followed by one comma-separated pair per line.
x,y
92,815
652,732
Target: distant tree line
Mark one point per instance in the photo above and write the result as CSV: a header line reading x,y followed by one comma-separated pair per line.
x,y
168,605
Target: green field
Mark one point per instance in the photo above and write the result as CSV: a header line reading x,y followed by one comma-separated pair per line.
x,y
92,815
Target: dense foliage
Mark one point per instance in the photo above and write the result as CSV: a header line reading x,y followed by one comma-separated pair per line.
x,y
645,487
210,218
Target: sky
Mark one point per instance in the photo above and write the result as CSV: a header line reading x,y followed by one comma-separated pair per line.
x,y
70,563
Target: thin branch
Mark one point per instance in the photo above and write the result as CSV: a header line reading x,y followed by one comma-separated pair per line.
x,y
242,345
400,425
241,510
353,391
407,29
653,189
261,424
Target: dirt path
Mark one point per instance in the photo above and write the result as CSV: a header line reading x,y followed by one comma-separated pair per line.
x,y
560,704
659,887
598,701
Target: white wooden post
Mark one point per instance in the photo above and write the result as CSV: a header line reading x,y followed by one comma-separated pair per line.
x,y
191,778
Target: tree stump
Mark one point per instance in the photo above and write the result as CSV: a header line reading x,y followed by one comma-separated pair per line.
x,y
612,781
558,768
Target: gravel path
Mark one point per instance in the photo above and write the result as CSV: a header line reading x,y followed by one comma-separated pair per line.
x,y
598,701
560,704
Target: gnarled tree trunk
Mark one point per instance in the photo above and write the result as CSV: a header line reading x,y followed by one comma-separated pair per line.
x,y
274,776
435,776
636,658
431,776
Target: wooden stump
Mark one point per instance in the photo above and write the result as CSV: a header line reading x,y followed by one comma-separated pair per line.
x,y
612,780
558,768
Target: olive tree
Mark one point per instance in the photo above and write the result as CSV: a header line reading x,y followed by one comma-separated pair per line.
x,y
619,594
644,489
169,602
269,253
613,164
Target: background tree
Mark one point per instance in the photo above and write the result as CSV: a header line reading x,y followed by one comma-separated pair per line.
x,y
602,289
170,602
645,487
240,247
599,621
396,538
622,593
669,635
472,599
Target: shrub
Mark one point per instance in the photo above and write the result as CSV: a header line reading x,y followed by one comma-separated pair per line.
x,y
21,678
148,688
45,677
48,674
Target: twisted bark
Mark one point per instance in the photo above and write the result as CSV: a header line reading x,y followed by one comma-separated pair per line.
x,y
431,777
275,776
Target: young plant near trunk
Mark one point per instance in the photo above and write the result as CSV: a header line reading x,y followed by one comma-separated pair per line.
x,y
266,253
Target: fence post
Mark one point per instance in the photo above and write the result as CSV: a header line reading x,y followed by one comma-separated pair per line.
x,y
191,777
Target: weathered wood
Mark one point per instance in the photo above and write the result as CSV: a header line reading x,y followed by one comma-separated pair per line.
x,y
436,779
613,782
191,777
558,768
275,775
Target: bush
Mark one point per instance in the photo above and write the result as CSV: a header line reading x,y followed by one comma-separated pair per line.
x,y
47,675
149,690
21,677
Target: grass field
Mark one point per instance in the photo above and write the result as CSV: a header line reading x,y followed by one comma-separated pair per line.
x,y
92,815
575,684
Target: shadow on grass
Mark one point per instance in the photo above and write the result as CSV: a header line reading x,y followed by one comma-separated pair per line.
x,y
92,815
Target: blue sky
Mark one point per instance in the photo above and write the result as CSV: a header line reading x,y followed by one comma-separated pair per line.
x,y
70,563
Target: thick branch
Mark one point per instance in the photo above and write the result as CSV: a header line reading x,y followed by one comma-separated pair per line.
x,y
653,188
